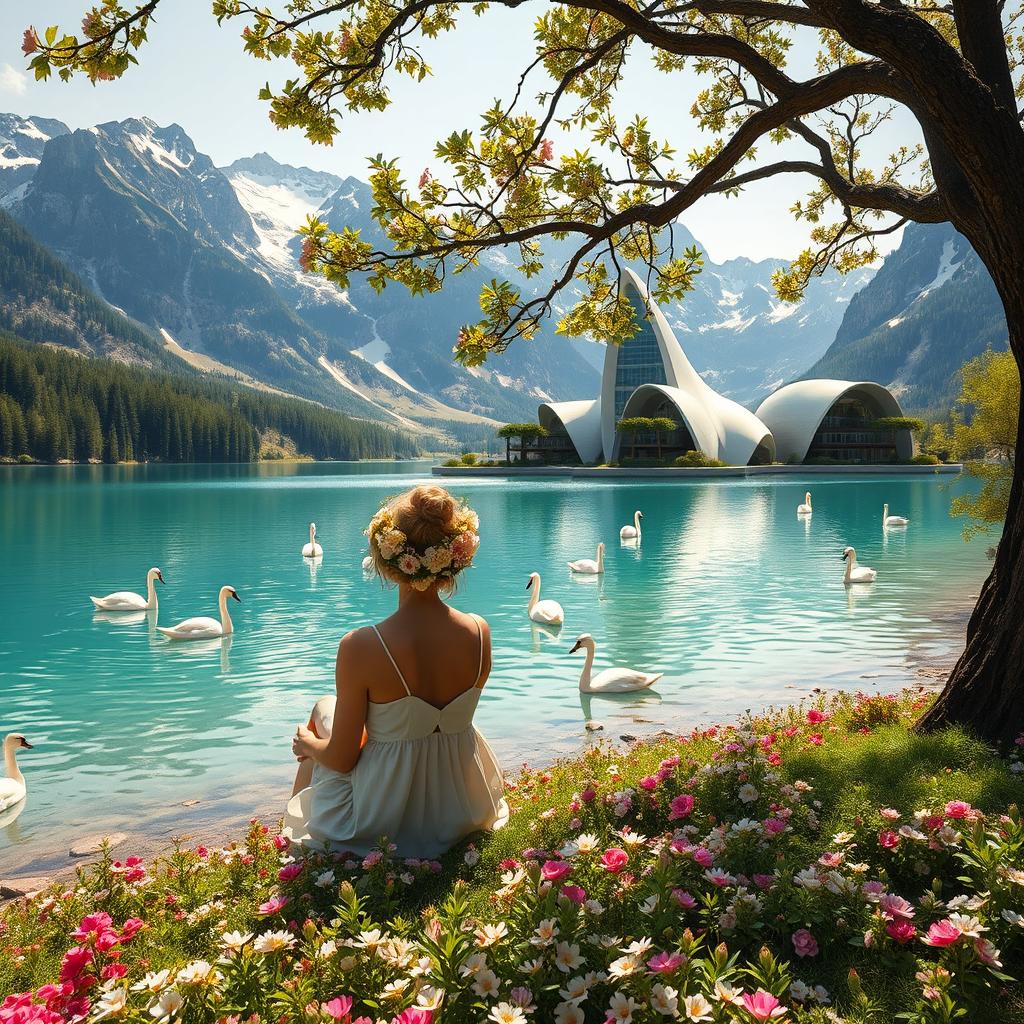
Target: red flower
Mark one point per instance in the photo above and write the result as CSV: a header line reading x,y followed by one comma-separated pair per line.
x,y
574,894
942,933
888,839
901,930
553,870
614,859
680,807
814,716
290,871
75,961
958,809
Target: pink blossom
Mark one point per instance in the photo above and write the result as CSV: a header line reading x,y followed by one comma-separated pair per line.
x,y
815,738
29,41
889,813
75,961
987,953
648,782
338,1008
588,795
888,839
958,809
666,963
680,807
306,264
372,859
804,943
773,826
614,859
574,894
281,842
413,1015
702,855
273,905
900,930
290,871
892,906
764,881
815,717
684,899
553,870
425,177
763,1005
92,925
464,548
942,933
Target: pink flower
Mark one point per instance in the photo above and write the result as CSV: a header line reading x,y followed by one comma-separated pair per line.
x,y
614,859
425,177
804,943
888,839
680,807
29,41
413,1015
588,795
815,717
648,782
702,855
92,925
202,852
773,826
684,899
75,961
339,1007
289,871
987,953
553,870
900,930
815,738
306,264
764,881
942,933
272,906
957,809
281,842
574,894
892,906
889,813
763,1005
666,963
464,548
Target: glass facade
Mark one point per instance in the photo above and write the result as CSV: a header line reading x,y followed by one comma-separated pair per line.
x,y
639,360
848,433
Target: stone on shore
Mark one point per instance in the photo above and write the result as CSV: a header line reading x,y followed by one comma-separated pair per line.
x,y
11,888
88,845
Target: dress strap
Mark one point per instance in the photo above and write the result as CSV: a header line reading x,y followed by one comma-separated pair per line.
x,y
480,636
391,658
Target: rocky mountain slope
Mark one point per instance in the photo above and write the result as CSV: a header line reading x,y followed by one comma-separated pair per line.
x,y
21,146
930,308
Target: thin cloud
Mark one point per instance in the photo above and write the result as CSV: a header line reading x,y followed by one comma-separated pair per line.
x,y
12,80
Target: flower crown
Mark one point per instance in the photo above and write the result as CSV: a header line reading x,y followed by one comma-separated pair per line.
x,y
443,560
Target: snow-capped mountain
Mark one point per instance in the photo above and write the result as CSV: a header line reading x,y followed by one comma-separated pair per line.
x,y
21,147
930,308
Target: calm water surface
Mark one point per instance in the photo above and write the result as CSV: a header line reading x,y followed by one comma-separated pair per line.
x,y
732,597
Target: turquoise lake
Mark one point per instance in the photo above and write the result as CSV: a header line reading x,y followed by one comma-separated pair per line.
x,y
734,599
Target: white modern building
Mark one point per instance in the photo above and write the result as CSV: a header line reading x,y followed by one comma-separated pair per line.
x,y
649,375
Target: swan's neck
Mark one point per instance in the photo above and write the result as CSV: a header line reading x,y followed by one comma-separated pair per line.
x,y
11,762
312,536
600,558
636,522
885,511
587,666
534,592
151,599
225,616
850,563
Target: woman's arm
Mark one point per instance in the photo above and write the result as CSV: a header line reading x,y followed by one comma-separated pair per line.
x,y
341,750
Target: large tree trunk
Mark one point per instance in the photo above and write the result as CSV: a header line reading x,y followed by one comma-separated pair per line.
x,y
985,691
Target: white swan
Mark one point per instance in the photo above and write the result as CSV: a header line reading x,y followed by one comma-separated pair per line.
x,y
312,549
126,601
13,788
589,565
856,573
805,509
611,680
888,520
547,613
632,532
202,627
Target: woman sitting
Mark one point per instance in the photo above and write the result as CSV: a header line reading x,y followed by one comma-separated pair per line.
x,y
395,753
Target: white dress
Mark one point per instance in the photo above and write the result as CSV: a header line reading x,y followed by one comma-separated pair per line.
x,y
426,778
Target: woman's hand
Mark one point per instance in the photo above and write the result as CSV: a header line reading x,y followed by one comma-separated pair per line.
x,y
305,743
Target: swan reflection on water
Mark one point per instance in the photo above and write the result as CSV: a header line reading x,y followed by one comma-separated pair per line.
x,y
857,592
540,633
135,618
9,816
621,702
314,565
202,648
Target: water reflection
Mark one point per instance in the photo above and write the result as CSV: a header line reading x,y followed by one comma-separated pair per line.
x,y
9,816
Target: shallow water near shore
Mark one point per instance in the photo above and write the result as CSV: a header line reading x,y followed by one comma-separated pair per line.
x,y
737,601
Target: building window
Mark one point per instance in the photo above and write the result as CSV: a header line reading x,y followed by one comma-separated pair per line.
x,y
639,360
847,433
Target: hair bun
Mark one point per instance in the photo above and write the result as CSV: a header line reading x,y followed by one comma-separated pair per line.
x,y
432,505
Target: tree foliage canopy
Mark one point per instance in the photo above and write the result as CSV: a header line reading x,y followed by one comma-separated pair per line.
x,y
524,431
618,197
984,437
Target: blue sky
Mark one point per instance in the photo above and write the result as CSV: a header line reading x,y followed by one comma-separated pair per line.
x,y
195,74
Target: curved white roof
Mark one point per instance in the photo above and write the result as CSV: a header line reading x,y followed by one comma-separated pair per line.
x,y
794,412
582,422
723,429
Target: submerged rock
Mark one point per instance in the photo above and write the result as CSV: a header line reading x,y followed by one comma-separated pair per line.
x,y
11,888
88,845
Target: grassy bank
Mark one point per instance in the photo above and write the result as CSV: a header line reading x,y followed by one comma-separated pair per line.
x,y
815,864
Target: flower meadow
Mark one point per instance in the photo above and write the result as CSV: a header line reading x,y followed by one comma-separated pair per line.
x,y
816,864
